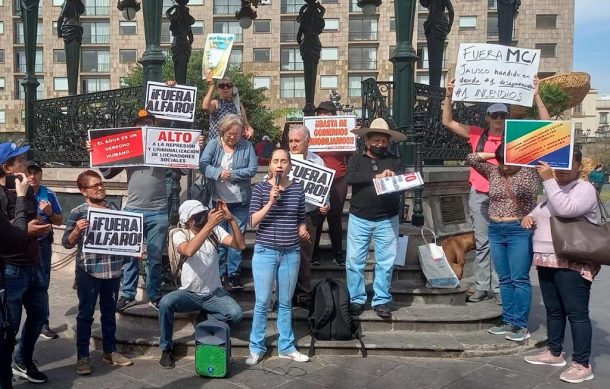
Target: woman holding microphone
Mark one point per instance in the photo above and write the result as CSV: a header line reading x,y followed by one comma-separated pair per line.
x,y
277,207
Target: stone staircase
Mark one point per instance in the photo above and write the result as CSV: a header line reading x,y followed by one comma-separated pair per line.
x,y
426,323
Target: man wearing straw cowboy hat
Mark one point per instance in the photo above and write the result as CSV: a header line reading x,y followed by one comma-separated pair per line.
x,y
372,216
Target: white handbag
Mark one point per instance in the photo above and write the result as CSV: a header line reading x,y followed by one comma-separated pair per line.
x,y
435,266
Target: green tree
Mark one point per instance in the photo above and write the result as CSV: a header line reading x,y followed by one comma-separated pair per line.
x,y
254,100
555,99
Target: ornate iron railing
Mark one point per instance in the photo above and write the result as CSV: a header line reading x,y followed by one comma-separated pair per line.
x,y
62,123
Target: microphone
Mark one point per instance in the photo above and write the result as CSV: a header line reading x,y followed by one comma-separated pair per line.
x,y
278,178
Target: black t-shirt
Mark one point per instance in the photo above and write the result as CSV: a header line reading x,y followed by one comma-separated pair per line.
x,y
31,256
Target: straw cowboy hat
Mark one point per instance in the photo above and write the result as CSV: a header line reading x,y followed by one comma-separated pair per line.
x,y
380,126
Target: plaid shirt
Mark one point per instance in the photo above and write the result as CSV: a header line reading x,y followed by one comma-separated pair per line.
x,y
97,265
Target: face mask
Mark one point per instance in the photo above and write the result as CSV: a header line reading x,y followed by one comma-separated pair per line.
x,y
378,151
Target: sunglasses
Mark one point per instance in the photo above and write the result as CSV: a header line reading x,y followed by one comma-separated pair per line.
x,y
95,186
501,115
223,85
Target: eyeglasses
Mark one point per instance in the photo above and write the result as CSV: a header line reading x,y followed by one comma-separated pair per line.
x,y
223,85
501,115
375,168
95,186
232,134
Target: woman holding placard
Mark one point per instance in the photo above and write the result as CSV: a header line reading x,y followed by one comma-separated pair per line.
x,y
230,162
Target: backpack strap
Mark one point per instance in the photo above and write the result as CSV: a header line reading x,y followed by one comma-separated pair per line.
x,y
328,305
482,140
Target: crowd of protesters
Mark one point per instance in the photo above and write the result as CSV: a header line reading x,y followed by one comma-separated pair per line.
x,y
511,228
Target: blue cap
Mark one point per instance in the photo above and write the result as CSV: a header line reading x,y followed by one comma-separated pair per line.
x,y
9,150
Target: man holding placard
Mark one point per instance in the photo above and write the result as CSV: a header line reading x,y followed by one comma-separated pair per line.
x,y
373,216
484,140
298,141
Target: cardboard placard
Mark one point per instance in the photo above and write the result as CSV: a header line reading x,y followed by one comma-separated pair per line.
x,y
397,183
114,232
116,147
331,133
530,141
216,53
316,180
171,103
495,74
172,147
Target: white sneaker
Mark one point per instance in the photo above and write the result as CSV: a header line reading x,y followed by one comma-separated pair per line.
x,y
254,359
295,356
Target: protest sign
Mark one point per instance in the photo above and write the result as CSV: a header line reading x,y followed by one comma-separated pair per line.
x,y
530,141
316,180
331,133
174,148
113,232
495,74
171,103
397,183
116,147
216,53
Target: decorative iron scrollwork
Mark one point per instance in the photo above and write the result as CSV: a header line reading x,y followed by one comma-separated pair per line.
x,y
62,123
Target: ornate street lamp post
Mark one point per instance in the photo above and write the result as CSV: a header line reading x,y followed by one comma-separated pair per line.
x,y
28,10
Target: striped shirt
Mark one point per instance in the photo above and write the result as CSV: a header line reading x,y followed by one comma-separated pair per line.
x,y
279,228
97,265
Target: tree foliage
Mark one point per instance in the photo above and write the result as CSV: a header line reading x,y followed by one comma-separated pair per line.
x,y
254,100
555,99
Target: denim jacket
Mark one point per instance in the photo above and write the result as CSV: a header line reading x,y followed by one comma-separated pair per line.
x,y
244,166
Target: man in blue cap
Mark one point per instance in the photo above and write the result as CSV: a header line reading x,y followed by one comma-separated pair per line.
x,y
24,279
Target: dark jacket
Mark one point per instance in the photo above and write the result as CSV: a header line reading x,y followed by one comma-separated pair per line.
x,y
15,209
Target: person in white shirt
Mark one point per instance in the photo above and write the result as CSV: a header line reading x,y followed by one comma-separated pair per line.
x,y
201,288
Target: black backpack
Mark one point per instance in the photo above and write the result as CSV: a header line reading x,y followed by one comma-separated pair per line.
x,y
329,316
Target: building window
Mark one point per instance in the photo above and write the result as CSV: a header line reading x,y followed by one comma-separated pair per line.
x,y
226,7
1,55
492,4
288,30
362,29
2,83
392,23
422,78
97,7
20,61
261,82
292,87
422,61
353,6
229,27
291,6
546,21
2,28
547,50
60,84
166,4
128,56
261,55
492,28
197,27
2,116
329,82
468,22
20,36
236,57
59,56
354,84
57,3
195,2
331,25
20,92
290,59
362,58
329,54
98,32
262,26
128,28
166,34
603,118
95,61
91,85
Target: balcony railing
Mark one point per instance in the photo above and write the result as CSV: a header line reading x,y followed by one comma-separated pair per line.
x,y
20,68
96,68
362,65
363,35
96,39
97,10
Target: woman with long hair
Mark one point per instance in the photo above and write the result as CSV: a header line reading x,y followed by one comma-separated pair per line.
x,y
565,284
278,209
231,162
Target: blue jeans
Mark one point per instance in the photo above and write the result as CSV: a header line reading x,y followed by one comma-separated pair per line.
x,y
156,225
26,287
384,233
511,251
46,253
219,304
88,289
230,258
274,267
566,294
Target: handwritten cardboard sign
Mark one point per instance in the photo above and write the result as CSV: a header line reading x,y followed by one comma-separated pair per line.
x,y
216,53
530,141
113,232
495,74
171,103
316,180
397,183
116,147
172,148
331,133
